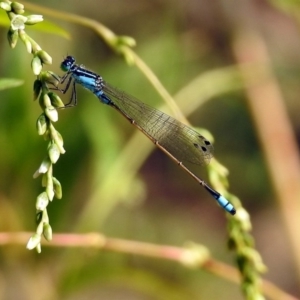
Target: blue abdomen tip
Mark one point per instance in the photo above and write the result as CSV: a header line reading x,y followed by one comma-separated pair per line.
x,y
226,205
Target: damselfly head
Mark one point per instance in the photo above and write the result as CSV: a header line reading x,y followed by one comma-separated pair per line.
x,y
67,63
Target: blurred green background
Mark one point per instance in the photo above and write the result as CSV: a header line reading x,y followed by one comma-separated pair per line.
x,y
179,40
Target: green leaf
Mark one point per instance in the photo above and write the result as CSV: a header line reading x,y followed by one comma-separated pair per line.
x,y
50,27
4,20
6,83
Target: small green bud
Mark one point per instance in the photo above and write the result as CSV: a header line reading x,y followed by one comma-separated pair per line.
x,y
12,36
56,136
33,242
35,46
44,167
17,8
54,153
57,188
126,40
51,113
49,190
194,255
49,186
41,124
45,57
45,218
18,22
38,248
49,77
5,6
47,232
37,87
46,101
46,135
36,65
42,201
33,19
55,100
39,229
25,39
10,14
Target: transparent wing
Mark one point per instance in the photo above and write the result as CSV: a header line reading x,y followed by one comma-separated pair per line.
x,y
180,140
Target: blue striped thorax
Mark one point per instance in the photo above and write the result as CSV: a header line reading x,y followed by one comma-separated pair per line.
x,y
86,78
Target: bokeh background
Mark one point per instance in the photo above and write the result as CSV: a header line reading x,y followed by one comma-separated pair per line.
x,y
180,41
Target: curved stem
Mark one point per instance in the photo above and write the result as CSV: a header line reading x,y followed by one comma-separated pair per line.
x,y
177,254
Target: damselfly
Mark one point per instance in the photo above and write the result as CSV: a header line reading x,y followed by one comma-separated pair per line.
x,y
178,141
